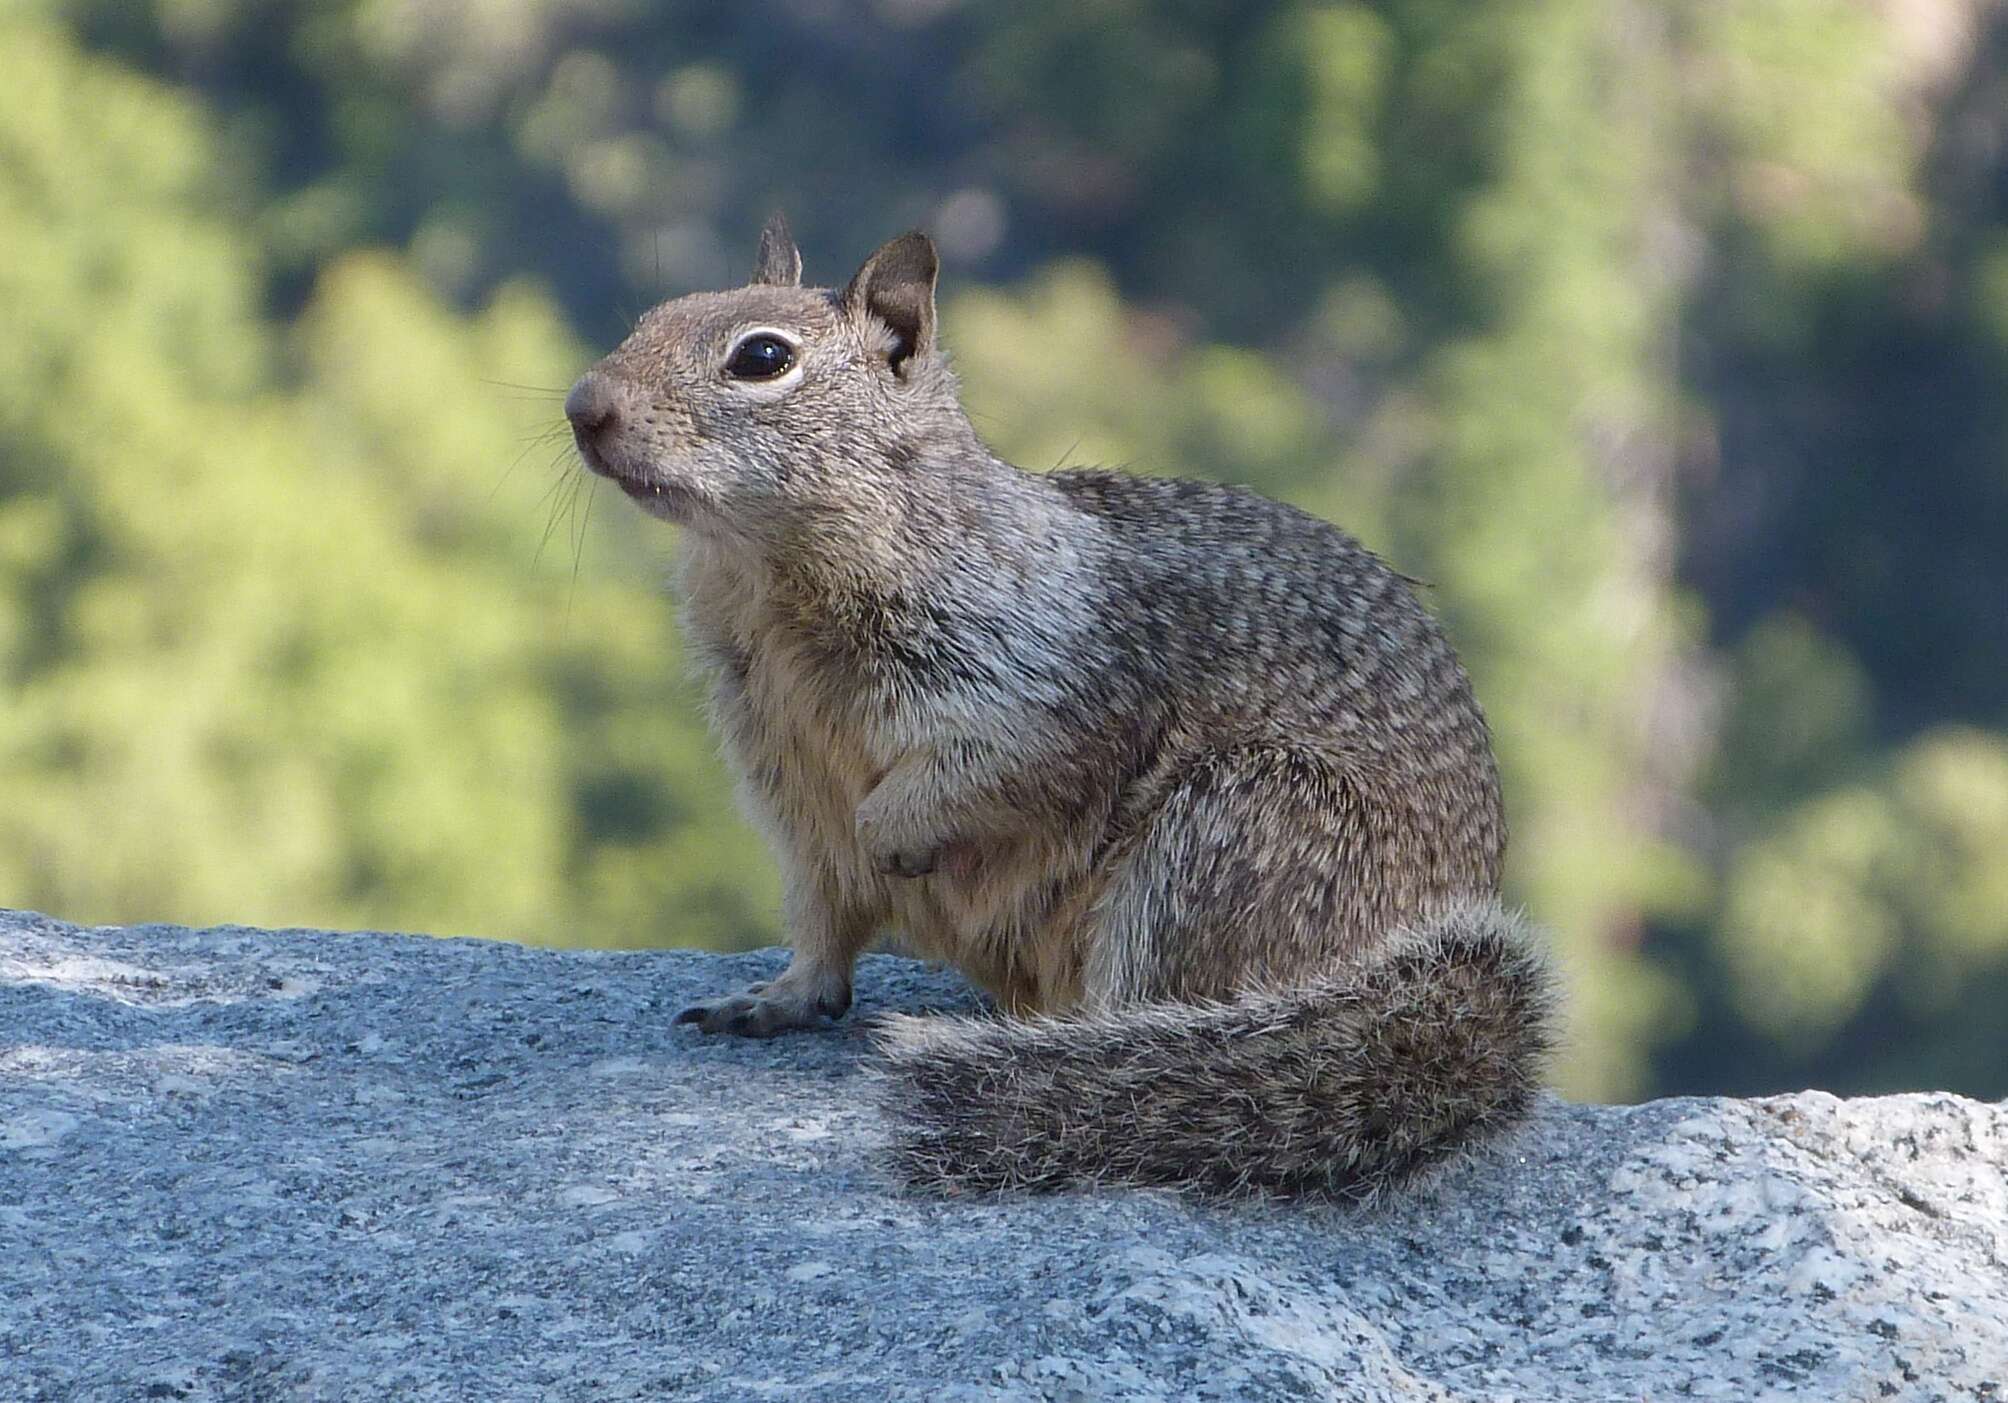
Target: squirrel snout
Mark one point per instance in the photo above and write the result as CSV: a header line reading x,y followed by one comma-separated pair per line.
x,y
591,404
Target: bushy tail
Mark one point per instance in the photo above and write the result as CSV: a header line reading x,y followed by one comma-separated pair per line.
x,y
1344,1088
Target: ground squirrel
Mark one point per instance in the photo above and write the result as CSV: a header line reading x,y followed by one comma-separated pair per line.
x,y
1187,779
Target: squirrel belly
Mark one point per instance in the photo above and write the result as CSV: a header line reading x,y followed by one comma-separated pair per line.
x,y
1346,1087
1187,778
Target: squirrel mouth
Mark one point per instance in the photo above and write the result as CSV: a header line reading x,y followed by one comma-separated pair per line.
x,y
595,461
657,498
652,494
598,464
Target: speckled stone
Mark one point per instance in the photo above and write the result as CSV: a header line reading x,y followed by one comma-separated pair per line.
x,y
241,1164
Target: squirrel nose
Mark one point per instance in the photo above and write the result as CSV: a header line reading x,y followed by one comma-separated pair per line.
x,y
590,405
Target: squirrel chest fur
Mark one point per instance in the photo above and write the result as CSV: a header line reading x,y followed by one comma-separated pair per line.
x,y
1187,773
812,702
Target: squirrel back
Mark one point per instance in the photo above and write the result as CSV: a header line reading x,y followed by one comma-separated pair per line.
x,y
1188,779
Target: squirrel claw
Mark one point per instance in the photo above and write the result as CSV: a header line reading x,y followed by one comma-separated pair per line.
x,y
754,1015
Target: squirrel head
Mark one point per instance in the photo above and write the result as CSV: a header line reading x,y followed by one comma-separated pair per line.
x,y
774,409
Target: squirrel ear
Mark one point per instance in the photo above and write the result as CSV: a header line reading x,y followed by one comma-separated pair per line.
x,y
896,286
780,263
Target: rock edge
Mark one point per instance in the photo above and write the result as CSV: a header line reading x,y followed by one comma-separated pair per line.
x,y
241,1164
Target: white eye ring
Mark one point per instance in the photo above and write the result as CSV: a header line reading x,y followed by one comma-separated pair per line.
x,y
771,387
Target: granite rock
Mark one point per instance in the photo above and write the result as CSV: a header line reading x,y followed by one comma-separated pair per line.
x,y
241,1164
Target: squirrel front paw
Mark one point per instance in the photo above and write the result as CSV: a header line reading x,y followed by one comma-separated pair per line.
x,y
959,861
767,1009
895,845
904,862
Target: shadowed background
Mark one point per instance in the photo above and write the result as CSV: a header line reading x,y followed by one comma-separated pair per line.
x,y
1668,342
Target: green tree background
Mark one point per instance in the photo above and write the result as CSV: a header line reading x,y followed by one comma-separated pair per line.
x,y
1668,342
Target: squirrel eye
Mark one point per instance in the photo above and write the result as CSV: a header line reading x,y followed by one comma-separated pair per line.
x,y
760,357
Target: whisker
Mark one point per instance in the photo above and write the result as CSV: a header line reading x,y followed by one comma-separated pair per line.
x,y
535,389
579,549
529,446
557,483
558,504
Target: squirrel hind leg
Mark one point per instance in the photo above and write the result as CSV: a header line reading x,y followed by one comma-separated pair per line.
x,y
1260,867
1256,1021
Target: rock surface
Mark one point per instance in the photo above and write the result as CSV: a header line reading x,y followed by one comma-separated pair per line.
x,y
241,1164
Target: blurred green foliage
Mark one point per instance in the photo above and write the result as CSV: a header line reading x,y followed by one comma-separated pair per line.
x,y
1667,343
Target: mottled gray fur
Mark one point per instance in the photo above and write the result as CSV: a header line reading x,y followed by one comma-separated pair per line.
x,y
1186,778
